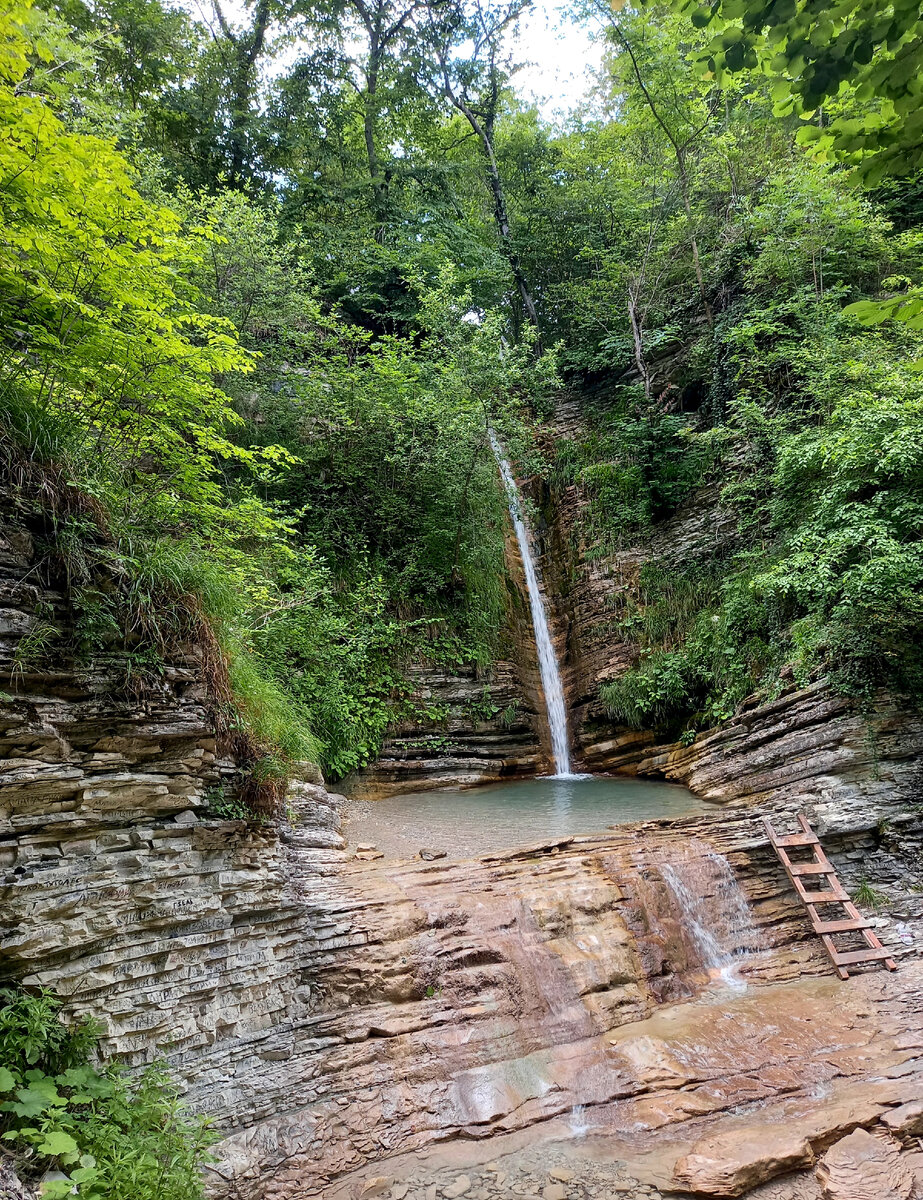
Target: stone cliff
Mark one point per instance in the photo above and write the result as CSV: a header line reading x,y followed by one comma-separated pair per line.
x,y
334,1015
484,730
810,747
485,726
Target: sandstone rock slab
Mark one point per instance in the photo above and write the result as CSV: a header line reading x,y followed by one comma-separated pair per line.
x,y
907,1120
865,1166
730,1164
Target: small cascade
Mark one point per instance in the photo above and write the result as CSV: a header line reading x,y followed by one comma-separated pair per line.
x,y
547,659
714,910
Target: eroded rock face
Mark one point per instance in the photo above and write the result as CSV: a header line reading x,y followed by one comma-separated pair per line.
x,y
734,1163
332,1013
864,1166
484,728
810,748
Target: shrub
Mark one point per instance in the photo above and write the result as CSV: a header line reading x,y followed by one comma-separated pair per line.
x,y
111,1136
659,692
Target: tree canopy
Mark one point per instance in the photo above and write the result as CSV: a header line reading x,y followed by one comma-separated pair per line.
x,y
267,280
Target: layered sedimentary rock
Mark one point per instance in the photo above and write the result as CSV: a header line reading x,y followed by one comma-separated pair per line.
x,y
481,728
475,726
483,999
332,1013
810,746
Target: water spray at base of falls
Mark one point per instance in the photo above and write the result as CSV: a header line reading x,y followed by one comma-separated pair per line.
x,y
547,659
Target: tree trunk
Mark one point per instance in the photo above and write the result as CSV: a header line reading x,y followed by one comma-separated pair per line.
x,y
370,112
693,240
503,226
246,51
636,336
679,152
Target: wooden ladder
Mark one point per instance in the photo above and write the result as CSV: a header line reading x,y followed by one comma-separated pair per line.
x,y
829,891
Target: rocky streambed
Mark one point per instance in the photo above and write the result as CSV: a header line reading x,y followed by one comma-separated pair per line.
x,y
465,1011
758,1092
577,1005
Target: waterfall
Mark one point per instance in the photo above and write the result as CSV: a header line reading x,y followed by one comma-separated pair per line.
x,y
547,659
714,910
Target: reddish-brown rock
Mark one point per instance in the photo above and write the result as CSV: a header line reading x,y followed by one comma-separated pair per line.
x,y
864,1166
730,1164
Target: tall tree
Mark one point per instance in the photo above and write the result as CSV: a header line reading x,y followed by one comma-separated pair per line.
x,y
681,118
471,67
241,50
387,27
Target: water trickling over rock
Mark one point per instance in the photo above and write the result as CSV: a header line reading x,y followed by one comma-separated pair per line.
x,y
715,911
547,659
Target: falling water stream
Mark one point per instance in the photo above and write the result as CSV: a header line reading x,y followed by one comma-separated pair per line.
x,y
547,659
715,912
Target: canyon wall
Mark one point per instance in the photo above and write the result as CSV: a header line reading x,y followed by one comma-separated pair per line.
x,y
486,725
484,729
846,762
330,1013
809,748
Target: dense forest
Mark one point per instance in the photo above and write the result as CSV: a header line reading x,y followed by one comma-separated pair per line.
x,y
269,277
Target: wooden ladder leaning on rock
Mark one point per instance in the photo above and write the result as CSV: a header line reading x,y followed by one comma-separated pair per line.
x,y
831,892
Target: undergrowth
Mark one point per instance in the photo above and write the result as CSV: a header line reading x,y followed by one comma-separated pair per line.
x,y
109,1136
142,601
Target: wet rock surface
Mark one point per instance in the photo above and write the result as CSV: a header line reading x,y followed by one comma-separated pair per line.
x,y
543,1173
511,992
338,1016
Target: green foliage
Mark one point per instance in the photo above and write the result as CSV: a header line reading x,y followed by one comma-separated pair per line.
x,y
230,808
98,330
254,326
706,640
848,498
636,468
656,694
110,1137
819,54
277,448
868,896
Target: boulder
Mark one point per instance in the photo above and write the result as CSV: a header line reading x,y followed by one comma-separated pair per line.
x,y
865,1166
905,1121
376,1186
730,1164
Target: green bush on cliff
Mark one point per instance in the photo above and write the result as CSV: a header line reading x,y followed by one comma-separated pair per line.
x,y
93,1131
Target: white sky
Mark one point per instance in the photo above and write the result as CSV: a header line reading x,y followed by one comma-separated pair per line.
x,y
563,57
558,55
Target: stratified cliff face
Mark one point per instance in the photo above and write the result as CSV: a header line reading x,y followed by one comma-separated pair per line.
x,y
810,747
485,731
117,889
490,725
330,1012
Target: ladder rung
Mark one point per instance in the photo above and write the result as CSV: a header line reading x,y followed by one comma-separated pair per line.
x,y
821,869
798,839
845,959
840,926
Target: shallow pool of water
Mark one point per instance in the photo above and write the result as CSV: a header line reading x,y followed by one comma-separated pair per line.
x,y
476,821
